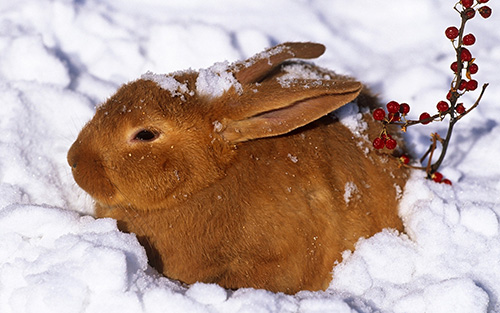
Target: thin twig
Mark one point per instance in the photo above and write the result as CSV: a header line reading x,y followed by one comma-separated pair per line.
x,y
475,103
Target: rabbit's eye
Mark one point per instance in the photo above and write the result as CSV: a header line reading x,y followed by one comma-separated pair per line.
x,y
146,135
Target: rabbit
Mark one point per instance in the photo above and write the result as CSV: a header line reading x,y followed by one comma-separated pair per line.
x,y
238,174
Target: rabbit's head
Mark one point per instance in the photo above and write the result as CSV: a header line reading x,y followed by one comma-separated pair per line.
x,y
164,137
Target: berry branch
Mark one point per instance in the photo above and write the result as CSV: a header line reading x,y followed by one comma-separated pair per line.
x,y
464,65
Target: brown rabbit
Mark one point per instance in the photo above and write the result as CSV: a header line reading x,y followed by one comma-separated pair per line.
x,y
237,175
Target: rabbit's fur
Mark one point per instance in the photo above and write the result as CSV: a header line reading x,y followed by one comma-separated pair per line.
x,y
253,186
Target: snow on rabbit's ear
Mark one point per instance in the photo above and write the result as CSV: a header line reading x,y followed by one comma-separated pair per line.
x,y
257,67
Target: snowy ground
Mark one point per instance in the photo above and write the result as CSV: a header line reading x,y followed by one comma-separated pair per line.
x,y
59,58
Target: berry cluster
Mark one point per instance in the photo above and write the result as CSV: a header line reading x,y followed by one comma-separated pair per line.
x,y
464,65
396,113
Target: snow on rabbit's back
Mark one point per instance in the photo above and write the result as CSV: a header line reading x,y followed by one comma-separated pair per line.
x,y
237,174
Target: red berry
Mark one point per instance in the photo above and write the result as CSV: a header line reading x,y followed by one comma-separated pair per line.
x,y
378,143
404,108
404,159
467,3
485,11
446,181
465,55
473,68
437,177
451,32
469,39
454,66
471,85
469,13
391,144
463,85
425,116
482,1
394,117
442,106
460,108
379,114
393,107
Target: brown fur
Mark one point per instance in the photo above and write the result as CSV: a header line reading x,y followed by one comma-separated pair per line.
x,y
258,202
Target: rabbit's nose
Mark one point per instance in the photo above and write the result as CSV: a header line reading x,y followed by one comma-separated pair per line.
x,y
73,156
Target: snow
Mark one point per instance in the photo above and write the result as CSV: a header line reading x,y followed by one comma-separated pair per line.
x,y
169,83
350,116
350,190
215,80
61,58
294,72
293,158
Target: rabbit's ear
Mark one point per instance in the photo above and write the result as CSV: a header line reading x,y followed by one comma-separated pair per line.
x,y
258,66
273,110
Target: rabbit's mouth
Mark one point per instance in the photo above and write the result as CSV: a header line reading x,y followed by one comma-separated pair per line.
x,y
96,184
90,174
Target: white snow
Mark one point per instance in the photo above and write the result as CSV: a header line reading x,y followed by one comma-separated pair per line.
x,y
61,58
295,72
215,80
211,82
169,83
350,116
217,126
350,189
293,158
